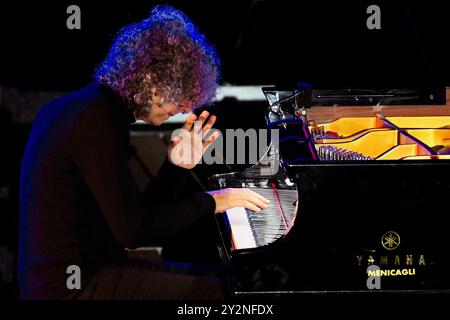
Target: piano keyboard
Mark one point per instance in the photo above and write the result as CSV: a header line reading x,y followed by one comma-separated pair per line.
x,y
255,229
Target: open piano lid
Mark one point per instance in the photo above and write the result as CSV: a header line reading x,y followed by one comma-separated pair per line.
x,y
362,97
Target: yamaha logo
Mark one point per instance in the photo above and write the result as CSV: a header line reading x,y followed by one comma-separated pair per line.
x,y
392,264
390,240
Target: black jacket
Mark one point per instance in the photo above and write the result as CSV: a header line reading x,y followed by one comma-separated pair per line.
x,y
79,204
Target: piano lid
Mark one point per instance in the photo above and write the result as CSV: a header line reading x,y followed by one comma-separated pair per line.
x,y
360,97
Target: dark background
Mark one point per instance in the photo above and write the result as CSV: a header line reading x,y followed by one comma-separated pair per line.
x,y
261,42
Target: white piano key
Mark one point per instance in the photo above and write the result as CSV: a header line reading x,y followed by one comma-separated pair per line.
x,y
241,231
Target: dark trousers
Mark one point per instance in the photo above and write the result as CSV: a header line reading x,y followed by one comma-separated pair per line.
x,y
148,278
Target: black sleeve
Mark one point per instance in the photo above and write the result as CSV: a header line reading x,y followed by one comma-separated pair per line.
x,y
167,185
99,147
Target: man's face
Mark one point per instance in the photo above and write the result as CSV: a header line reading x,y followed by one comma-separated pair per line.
x,y
160,112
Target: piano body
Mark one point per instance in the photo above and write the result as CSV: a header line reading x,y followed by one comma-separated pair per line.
x,y
358,202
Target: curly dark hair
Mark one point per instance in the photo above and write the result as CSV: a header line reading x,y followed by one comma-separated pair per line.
x,y
165,55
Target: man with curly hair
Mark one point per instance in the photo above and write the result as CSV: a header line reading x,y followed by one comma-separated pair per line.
x,y
79,205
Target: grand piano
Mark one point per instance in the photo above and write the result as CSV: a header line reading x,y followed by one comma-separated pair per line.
x,y
359,196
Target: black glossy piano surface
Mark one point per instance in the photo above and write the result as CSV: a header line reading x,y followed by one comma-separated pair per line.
x,y
344,210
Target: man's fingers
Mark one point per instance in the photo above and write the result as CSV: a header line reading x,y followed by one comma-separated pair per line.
x,y
209,124
210,140
250,206
189,122
176,140
260,197
255,198
202,117
257,195
257,202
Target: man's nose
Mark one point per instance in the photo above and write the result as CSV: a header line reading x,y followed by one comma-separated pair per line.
x,y
174,109
174,112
